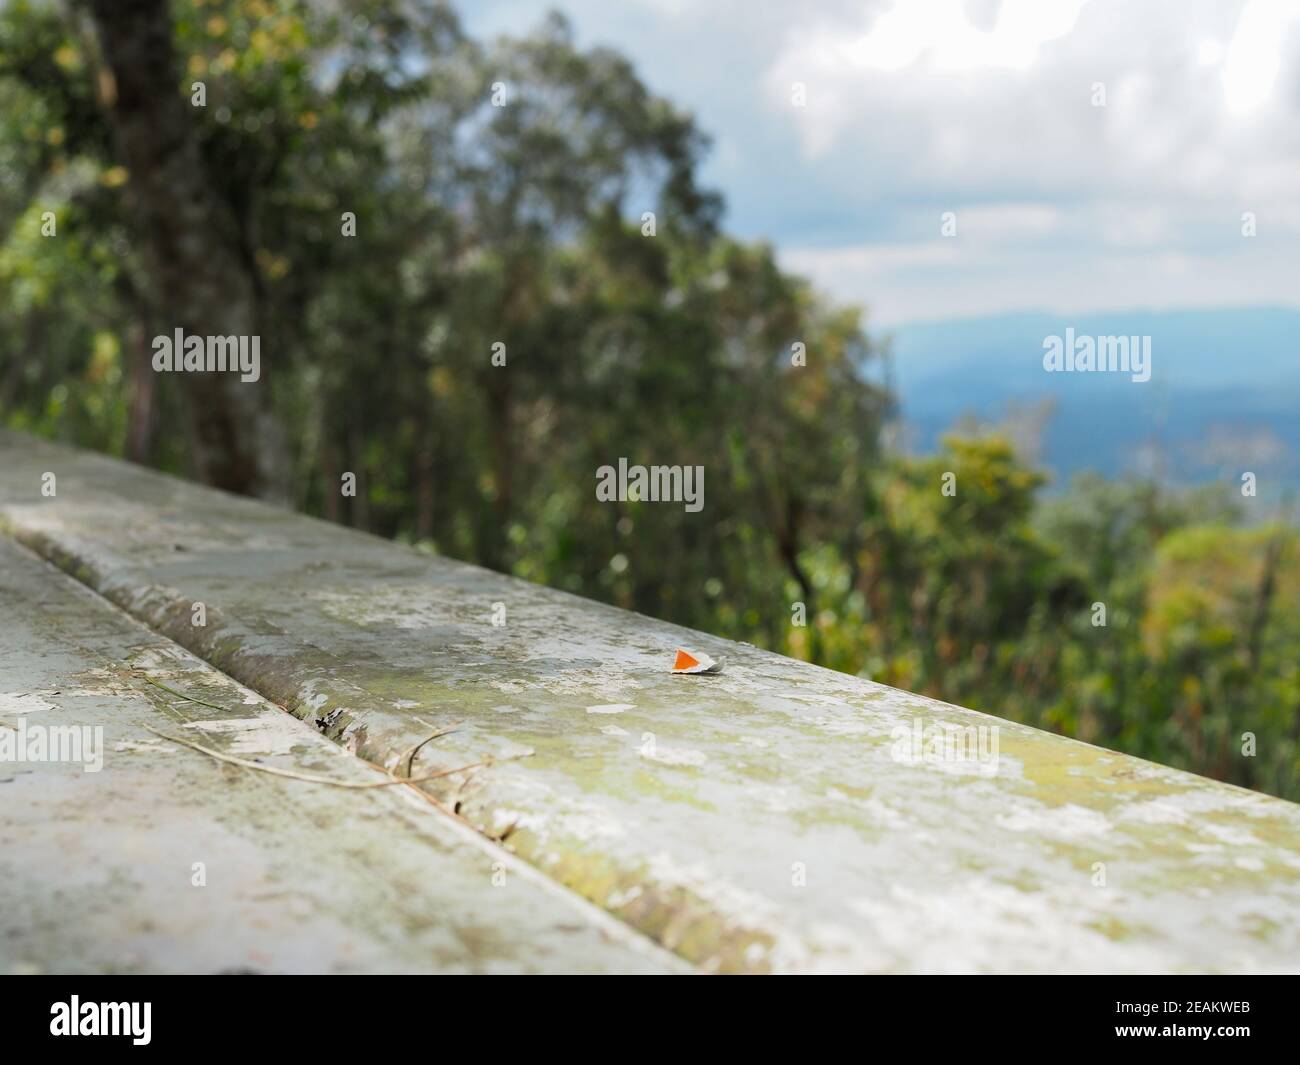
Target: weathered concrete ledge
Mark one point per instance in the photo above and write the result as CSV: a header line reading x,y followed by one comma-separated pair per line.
x,y
145,856
754,821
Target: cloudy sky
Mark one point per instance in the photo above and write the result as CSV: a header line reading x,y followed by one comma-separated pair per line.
x,y
988,110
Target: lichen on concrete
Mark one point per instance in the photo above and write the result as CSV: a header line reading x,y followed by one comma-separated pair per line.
x,y
165,860
759,820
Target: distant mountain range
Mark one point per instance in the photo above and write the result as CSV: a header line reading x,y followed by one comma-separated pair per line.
x,y
1224,393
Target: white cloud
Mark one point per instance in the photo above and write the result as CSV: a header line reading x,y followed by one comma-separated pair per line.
x,y
1060,203
942,31
985,109
919,89
920,282
1254,55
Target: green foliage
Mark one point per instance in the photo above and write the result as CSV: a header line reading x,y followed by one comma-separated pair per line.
x,y
521,225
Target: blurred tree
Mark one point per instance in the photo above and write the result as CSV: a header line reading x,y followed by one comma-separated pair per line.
x,y
199,282
483,270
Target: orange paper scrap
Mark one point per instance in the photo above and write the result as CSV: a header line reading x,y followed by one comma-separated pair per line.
x,y
695,662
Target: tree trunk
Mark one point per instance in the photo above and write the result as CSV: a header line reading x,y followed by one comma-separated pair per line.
x,y
141,417
201,284
500,414
425,489
788,548
1263,599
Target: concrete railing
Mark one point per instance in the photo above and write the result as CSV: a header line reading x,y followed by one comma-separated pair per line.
x,y
774,817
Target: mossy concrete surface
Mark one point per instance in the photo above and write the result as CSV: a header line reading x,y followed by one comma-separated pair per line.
x,y
137,854
764,819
